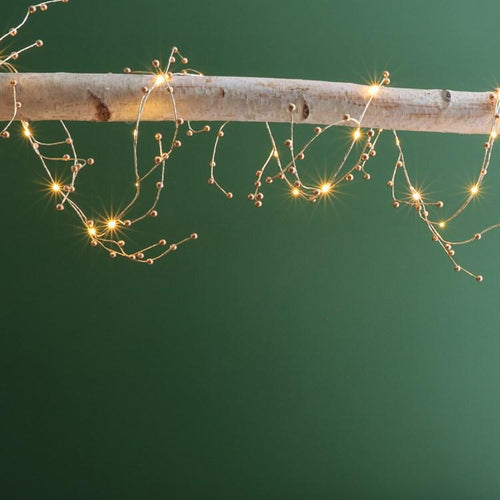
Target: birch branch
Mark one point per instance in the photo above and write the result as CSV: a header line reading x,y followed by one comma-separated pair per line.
x,y
115,98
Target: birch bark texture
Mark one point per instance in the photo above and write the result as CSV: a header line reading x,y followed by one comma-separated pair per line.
x,y
115,98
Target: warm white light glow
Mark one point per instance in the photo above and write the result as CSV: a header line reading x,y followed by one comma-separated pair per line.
x,y
474,189
357,134
326,187
416,196
373,89
92,231
160,80
111,224
493,134
27,132
442,224
295,192
55,187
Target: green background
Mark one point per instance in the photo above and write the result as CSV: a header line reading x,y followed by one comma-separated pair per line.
x,y
296,351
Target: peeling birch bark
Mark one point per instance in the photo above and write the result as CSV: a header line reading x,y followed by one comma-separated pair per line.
x,y
115,98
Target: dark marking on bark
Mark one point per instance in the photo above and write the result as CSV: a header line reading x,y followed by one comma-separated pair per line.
x,y
447,95
103,114
305,111
223,92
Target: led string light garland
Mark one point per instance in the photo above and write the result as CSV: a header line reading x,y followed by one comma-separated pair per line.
x,y
107,231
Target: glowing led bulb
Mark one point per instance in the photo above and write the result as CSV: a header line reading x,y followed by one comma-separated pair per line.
x,y
56,188
160,80
92,231
373,89
493,134
326,188
111,224
442,224
27,132
357,134
295,192
416,195
474,189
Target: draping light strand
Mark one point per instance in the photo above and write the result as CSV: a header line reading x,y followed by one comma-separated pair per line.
x,y
345,171
107,232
